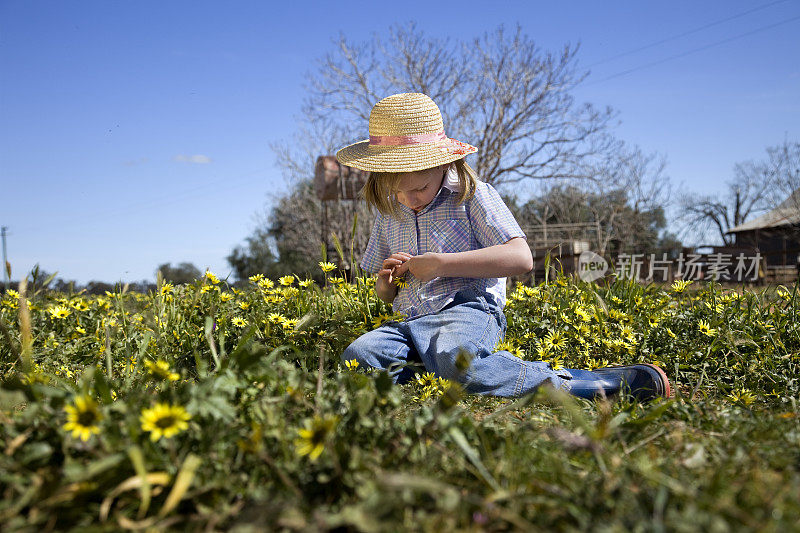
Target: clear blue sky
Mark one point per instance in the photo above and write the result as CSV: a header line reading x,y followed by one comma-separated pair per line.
x,y
137,133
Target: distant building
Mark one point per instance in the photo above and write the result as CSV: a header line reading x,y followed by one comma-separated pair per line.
x,y
775,235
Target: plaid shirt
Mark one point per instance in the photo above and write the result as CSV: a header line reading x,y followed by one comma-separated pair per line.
x,y
443,226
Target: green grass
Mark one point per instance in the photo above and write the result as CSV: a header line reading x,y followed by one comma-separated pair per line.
x,y
283,436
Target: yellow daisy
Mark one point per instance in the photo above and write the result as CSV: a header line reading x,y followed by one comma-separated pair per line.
x,y
211,277
583,314
58,312
380,319
326,266
80,305
160,370
313,437
276,318
164,420
289,323
680,285
352,364
428,378
705,329
83,418
239,322
554,341
286,280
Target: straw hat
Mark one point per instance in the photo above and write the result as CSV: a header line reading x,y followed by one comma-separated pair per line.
x,y
406,133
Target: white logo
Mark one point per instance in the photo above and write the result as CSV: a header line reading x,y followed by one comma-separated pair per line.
x,y
591,266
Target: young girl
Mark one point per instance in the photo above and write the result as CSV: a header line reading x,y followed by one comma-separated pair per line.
x,y
452,241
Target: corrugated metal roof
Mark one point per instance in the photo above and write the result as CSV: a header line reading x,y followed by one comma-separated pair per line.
x,y
786,214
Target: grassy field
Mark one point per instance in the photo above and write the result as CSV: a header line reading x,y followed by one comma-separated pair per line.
x,y
204,407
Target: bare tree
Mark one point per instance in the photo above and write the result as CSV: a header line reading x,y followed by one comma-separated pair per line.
x,y
781,167
623,203
500,92
756,187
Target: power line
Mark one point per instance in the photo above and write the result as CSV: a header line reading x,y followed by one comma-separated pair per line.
x,y
694,50
687,32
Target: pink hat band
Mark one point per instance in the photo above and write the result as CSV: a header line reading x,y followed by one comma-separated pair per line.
x,y
402,140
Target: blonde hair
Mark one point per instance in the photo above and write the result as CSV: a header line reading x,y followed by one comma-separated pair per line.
x,y
380,188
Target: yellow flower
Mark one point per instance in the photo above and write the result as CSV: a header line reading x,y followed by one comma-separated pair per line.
x,y
509,346
58,312
401,283
13,294
380,319
290,292
583,314
83,418
680,285
211,277
705,329
80,305
239,322
166,288
164,420
265,283
286,280
255,278
226,296
742,397
289,323
276,318
426,379
557,362
160,370
652,320
326,267
554,341
627,333
352,364
783,293
313,437
306,283
244,306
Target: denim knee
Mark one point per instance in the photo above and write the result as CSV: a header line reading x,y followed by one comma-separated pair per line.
x,y
352,352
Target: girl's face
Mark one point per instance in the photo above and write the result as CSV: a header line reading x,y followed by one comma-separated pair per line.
x,y
417,189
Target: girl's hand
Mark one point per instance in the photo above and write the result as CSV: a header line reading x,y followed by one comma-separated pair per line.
x,y
390,265
424,267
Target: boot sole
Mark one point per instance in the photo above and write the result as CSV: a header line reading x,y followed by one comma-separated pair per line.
x,y
664,379
661,373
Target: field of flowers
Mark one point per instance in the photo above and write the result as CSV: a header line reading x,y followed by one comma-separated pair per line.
x,y
209,407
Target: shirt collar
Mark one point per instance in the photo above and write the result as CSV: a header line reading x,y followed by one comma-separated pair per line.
x,y
451,179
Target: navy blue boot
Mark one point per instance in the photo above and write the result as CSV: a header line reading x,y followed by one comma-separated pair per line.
x,y
643,382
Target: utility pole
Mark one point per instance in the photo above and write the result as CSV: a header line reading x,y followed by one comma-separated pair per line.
x,y
5,259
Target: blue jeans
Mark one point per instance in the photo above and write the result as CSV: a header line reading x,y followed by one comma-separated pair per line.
x,y
470,322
